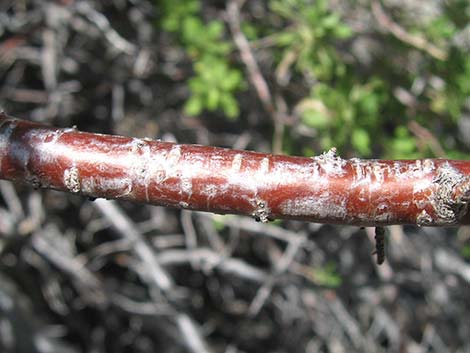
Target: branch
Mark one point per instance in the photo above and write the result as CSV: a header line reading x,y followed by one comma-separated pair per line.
x,y
276,111
400,33
324,189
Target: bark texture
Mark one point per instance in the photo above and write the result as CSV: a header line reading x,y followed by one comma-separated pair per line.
x,y
324,188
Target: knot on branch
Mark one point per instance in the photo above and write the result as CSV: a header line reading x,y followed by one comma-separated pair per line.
x,y
452,198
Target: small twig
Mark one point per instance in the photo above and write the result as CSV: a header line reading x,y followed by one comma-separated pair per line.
x,y
254,73
101,22
11,199
208,258
427,138
256,78
46,242
348,323
400,33
125,227
281,266
189,232
155,274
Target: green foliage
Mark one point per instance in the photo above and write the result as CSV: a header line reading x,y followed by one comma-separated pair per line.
x,y
345,115
204,40
215,82
466,252
310,38
450,98
325,276
343,110
175,12
212,87
361,108
402,145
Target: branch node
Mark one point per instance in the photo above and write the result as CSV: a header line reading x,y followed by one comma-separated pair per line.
x,y
72,180
424,219
34,181
331,162
452,197
261,213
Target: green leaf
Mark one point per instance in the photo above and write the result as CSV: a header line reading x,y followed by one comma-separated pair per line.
x,y
343,32
193,106
326,276
286,38
196,85
229,105
214,29
361,141
330,21
466,252
403,145
250,31
315,119
213,97
232,80
192,29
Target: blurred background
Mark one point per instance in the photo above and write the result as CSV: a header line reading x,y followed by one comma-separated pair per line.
x,y
376,79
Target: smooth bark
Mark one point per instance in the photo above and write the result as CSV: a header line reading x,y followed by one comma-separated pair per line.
x,y
324,188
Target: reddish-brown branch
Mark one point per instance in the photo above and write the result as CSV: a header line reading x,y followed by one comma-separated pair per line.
x,y
325,188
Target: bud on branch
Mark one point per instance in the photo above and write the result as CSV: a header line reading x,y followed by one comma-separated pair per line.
x,y
324,189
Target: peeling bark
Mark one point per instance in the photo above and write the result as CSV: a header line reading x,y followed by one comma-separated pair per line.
x,y
324,189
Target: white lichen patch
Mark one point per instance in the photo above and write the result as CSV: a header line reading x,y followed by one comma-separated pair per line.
x,y
70,129
379,172
117,187
364,172
174,156
358,167
236,163
382,217
264,166
183,204
158,167
331,163
420,168
46,145
137,145
72,179
160,176
209,191
321,207
186,185
428,165
421,185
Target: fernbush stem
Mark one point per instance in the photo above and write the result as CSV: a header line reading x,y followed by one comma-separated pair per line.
x,y
324,189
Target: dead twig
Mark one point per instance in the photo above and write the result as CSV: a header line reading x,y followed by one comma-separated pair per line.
x,y
401,34
153,273
254,73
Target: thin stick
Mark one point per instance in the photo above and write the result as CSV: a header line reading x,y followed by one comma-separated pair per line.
x,y
400,33
323,189
276,111
153,273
